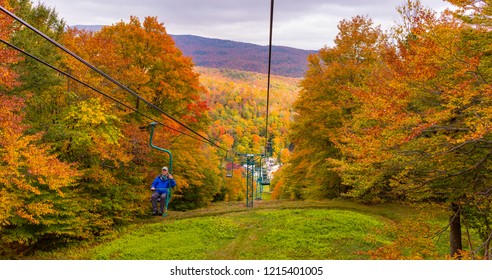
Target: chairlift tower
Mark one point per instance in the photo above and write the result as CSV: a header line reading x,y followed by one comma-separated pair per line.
x,y
250,177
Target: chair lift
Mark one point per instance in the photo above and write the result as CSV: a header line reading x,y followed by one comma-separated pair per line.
x,y
229,167
259,184
268,149
265,179
168,197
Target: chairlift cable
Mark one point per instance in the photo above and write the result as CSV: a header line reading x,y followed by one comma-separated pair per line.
x,y
269,73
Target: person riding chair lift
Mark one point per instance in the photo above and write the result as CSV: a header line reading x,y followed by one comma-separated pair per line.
x,y
161,186
165,180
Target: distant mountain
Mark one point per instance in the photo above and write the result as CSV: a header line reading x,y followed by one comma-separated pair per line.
x,y
225,54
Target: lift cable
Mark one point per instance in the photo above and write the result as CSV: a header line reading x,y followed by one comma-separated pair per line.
x,y
105,75
97,90
269,74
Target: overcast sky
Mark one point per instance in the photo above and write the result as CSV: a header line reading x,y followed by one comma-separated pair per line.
x,y
304,24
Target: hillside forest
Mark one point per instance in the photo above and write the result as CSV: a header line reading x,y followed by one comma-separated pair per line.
x,y
400,115
215,53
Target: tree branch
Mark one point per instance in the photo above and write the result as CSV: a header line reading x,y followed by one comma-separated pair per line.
x,y
474,167
484,244
446,128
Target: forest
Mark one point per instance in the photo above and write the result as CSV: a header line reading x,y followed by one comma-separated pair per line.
x,y
383,116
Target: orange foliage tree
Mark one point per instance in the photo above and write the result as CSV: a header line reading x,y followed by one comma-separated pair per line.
x,y
157,69
406,116
427,131
35,185
7,56
325,103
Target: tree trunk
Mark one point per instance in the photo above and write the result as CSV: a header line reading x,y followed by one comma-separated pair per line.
x,y
487,250
455,231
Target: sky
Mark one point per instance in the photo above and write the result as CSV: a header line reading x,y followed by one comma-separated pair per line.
x,y
303,24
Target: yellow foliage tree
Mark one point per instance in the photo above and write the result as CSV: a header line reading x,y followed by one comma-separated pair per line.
x,y
33,185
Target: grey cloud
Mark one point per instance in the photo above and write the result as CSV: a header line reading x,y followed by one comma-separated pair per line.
x,y
308,24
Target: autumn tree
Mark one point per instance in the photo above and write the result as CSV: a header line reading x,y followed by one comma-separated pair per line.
x,y
34,76
438,133
455,63
8,56
426,128
34,183
476,15
199,174
326,101
407,117
157,69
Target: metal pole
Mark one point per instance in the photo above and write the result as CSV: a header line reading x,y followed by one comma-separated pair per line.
x,y
152,127
250,182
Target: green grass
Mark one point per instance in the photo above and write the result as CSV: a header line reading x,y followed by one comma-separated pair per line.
x,y
290,230
185,239
265,234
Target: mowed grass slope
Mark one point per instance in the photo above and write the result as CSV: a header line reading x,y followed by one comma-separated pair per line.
x,y
264,234
279,230
330,230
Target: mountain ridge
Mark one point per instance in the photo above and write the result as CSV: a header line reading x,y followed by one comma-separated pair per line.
x,y
228,54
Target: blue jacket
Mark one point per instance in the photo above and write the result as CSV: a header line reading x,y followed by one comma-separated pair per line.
x,y
162,184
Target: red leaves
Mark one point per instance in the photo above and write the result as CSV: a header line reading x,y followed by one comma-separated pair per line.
x,y
7,56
